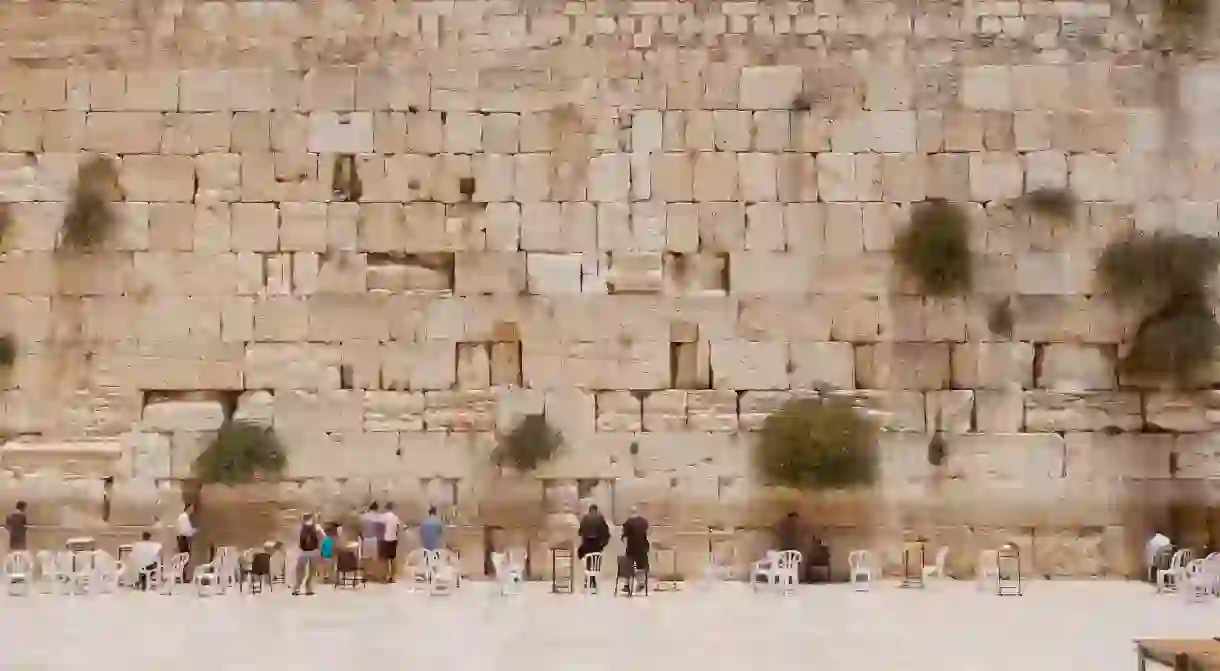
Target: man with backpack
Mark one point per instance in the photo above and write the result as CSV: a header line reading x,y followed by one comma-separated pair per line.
x,y
309,543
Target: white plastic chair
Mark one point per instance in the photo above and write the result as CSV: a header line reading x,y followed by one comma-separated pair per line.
x,y
508,578
18,573
443,573
764,570
1194,584
172,573
450,559
860,570
218,574
77,571
105,573
937,569
592,564
787,572
417,568
988,569
1211,567
48,574
1168,580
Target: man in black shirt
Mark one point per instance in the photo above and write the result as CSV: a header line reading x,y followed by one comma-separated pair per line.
x,y
16,525
635,535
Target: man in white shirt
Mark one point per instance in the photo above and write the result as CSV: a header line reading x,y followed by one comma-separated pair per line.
x,y
145,555
388,549
186,529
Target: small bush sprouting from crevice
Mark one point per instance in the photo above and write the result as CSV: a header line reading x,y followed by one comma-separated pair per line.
x,y
345,183
242,452
1167,277
1184,13
1000,318
6,222
938,449
1179,342
531,443
935,248
1152,270
817,443
8,351
91,216
1052,203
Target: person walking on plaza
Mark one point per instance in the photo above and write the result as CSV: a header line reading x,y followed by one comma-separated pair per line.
x,y
309,552
594,533
370,537
17,526
388,547
432,531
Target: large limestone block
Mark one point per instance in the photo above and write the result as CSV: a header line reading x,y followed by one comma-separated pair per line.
x,y
817,364
1076,367
892,410
393,411
56,499
172,416
988,87
622,363
753,407
665,410
619,411
993,365
999,411
149,455
1025,459
257,407
745,364
1099,463
83,459
431,364
139,502
292,366
490,273
1082,411
328,410
712,410
460,411
554,273
572,412
951,411
1197,455
769,86
320,454
1074,552
596,456
903,365
1183,412
1055,273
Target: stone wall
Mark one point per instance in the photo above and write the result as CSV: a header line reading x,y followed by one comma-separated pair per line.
x,y
652,221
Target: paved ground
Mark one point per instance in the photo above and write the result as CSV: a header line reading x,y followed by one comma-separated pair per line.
x,y
1056,625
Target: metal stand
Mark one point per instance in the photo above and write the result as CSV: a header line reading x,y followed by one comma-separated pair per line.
x,y
562,584
1008,583
913,551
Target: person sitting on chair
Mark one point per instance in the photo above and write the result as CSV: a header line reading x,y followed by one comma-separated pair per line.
x,y
145,555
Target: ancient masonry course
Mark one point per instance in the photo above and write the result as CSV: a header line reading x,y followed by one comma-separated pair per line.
x,y
391,229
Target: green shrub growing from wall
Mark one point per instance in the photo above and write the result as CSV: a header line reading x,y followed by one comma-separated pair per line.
x,y
817,443
1166,277
934,249
531,443
242,452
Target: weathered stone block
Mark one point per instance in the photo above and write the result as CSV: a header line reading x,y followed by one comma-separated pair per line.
x,y
172,416
744,364
903,366
1076,367
1082,411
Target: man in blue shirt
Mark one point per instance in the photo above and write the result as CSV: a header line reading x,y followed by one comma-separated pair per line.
x,y
432,531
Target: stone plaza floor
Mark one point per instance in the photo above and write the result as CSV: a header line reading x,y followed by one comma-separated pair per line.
x,y
948,627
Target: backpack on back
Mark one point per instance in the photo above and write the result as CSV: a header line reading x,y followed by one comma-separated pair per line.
x,y
309,538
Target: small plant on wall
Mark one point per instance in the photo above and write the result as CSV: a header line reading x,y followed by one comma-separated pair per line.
x,y
8,351
242,452
1166,278
1058,205
815,443
935,248
91,216
531,443
6,222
